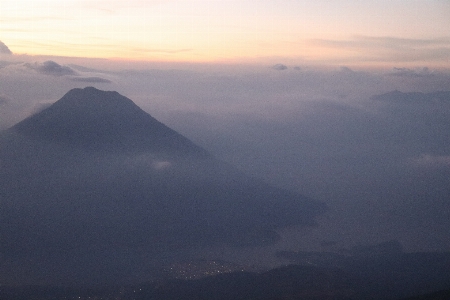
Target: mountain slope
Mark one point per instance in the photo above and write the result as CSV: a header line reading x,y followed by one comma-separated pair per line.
x,y
94,183
96,119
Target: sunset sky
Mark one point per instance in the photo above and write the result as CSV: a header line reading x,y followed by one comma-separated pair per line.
x,y
344,101
350,32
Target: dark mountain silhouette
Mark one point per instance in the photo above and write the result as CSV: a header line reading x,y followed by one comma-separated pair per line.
x,y
383,271
287,282
413,97
440,295
94,119
93,189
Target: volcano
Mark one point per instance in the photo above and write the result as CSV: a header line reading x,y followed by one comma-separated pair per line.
x,y
93,175
99,120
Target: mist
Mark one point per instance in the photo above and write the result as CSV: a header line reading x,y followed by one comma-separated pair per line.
x,y
371,144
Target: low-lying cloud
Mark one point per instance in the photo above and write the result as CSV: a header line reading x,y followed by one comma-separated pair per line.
x,y
391,49
93,79
380,163
311,130
4,99
407,72
279,67
429,160
51,68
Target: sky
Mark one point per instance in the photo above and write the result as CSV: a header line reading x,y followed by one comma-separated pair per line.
x,y
351,32
284,91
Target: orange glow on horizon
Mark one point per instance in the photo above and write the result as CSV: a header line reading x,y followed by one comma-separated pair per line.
x,y
342,32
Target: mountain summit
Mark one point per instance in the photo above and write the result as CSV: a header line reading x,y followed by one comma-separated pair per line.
x,y
95,119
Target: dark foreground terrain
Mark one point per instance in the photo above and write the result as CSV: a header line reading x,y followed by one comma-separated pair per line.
x,y
365,276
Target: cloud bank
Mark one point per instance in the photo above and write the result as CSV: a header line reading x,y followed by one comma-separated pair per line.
x,y
91,79
4,99
51,68
433,160
279,67
316,131
390,49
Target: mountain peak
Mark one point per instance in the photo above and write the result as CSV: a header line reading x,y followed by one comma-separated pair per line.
x,y
104,120
90,97
95,102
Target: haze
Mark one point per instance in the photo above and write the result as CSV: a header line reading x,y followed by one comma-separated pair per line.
x,y
284,92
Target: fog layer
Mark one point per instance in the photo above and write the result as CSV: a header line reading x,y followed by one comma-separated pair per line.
x,y
373,145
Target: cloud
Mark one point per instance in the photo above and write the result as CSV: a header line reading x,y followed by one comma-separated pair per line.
x,y
295,130
93,79
160,165
147,161
116,6
424,104
4,99
40,107
84,69
166,51
406,72
4,49
4,64
75,73
382,41
386,48
429,160
52,68
279,67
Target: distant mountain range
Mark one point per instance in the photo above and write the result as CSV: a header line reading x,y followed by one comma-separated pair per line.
x,y
92,184
397,96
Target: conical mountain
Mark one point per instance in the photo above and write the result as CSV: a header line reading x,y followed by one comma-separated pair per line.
x,y
92,186
95,119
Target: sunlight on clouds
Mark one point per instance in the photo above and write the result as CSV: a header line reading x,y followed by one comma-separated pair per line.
x,y
205,30
435,52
